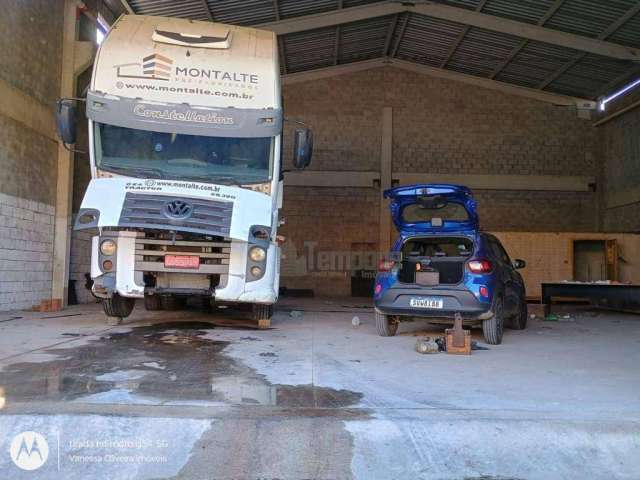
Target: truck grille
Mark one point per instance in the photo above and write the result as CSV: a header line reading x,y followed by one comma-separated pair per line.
x,y
214,255
211,217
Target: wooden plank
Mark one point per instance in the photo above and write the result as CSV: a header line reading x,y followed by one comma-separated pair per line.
x,y
503,182
326,178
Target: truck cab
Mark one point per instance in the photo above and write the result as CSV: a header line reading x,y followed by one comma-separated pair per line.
x,y
185,129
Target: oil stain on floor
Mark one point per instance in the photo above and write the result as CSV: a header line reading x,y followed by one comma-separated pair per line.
x,y
177,363
166,362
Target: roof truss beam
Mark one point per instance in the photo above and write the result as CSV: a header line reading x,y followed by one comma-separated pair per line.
x,y
207,10
458,15
454,48
543,96
127,7
610,30
552,10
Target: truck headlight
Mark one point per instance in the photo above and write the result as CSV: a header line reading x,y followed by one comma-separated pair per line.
x,y
108,247
256,271
257,254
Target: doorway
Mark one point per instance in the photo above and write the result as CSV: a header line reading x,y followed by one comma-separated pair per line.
x,y
595,260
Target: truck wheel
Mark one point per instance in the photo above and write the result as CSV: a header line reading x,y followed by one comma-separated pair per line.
x,y
152,303
387,325
494,327
262,314
519,321
170,302
118,306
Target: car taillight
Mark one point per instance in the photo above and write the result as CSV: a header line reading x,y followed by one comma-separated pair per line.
x,y
479,266
386,265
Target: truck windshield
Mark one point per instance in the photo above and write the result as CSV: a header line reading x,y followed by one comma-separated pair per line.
x,y
149,154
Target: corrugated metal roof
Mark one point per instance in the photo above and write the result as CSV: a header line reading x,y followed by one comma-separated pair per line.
x,y
310,50
441,43
588,17
529,11
482,51
535,62
240,12
193,9
427,40
363,40
629,33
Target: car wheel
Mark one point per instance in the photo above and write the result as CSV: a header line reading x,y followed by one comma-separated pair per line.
x,y
152,303
387,325
493,327
118,306
519,322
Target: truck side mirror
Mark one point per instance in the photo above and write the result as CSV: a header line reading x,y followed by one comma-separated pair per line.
x,y
66,120
302,147
518,264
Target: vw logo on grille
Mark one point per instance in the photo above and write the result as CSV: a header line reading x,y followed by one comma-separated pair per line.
x,y
178,209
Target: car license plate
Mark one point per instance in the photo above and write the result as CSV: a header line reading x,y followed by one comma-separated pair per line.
x,y
181,261
426,303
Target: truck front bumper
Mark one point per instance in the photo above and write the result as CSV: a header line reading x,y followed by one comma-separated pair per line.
x,y
127,281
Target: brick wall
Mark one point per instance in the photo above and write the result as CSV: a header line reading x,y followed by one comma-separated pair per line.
x,y
31,40
439,126
621,152
26,247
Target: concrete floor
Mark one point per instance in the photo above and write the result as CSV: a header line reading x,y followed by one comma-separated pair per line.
x,y
167,395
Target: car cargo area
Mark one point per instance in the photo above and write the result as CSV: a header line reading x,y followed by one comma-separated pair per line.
x,y
431,261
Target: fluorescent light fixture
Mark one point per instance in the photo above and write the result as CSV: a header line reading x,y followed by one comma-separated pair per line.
x,y
101,29
619,93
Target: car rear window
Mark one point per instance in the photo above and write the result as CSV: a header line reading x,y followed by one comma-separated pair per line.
x,y
437,247
449,211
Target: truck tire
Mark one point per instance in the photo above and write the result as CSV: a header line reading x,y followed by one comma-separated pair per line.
x,y
171,302
152,303
493,327
386,325
118,306
519,321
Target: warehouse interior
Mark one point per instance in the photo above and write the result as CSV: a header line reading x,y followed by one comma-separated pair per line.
x,y
534,105
382,84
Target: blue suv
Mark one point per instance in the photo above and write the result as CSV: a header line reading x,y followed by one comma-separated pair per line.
x,y
442,264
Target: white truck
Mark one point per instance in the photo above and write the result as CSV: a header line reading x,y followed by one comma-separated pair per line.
x,y
185,133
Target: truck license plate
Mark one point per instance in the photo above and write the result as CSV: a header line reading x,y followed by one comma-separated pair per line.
x,y
181,261
426,303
